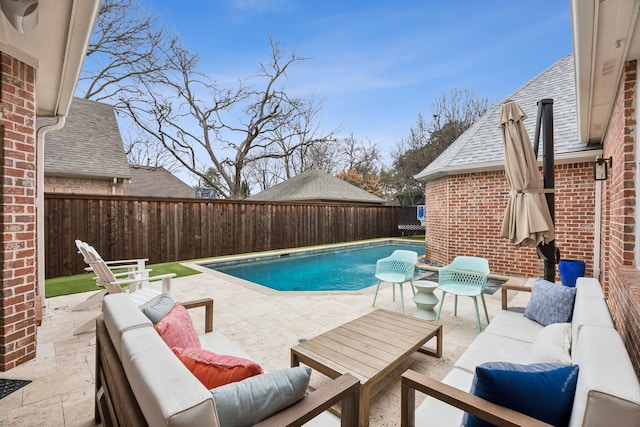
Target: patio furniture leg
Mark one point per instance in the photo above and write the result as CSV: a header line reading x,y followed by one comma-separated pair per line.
x,y
393,286
441,302
85,327
455,305
92,300
376,295
484,304
475,304
401,297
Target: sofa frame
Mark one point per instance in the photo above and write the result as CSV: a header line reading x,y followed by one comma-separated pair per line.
x,y
116,404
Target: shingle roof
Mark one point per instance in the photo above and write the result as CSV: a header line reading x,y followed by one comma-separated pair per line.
x,y
481,146
89,145
156,182
316,186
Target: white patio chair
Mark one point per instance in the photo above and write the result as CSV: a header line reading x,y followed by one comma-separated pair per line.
x,y
133,267
114,283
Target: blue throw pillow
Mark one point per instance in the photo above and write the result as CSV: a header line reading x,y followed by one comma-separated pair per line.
x,y
550,303
543,390
244,403
158,308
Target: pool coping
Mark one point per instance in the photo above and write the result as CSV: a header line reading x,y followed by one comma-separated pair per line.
x,y
200,265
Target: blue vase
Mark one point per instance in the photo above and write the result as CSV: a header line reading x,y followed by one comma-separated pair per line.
x,y
570,270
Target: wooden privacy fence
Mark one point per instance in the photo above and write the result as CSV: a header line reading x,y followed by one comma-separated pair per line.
x,y
165,230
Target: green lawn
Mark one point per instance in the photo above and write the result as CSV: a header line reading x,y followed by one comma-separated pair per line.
x,y
84,282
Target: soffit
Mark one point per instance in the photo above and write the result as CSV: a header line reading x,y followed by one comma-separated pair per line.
x,y
605,35
56,48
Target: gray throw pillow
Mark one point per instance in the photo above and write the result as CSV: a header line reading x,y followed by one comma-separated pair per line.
x,y
158,308
550,303
251,400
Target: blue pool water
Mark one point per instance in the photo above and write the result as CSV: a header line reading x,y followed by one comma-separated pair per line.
x,y
326,270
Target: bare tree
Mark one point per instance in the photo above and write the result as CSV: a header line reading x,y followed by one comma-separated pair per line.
x,y
202,124
126,45
141,150
453,113
359,155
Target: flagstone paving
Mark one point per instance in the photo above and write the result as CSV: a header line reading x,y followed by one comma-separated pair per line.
x,y
265,323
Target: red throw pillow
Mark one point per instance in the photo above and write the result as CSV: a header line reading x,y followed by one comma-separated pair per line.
x,y
214,370
176,328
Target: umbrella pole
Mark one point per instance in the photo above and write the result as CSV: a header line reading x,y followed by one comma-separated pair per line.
x,y
548,251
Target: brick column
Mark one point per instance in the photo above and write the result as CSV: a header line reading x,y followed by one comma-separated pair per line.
x,y
18,216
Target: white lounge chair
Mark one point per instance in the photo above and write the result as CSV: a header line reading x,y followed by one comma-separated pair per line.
x,y
132,266
114,283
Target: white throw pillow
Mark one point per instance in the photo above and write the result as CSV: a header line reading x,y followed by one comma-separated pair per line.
x,y
552,344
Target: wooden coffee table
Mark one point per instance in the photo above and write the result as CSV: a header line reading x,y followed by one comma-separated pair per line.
x,y
369,348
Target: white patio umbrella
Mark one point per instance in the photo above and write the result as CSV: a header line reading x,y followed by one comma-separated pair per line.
x,y
527,220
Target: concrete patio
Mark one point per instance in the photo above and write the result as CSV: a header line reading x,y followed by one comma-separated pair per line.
x,y
265,323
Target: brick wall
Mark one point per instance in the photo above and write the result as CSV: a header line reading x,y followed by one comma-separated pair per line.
x,y
17,301
465,212
620,276
70,185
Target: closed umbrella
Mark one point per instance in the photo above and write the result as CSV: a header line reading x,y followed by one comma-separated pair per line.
x,y
527,220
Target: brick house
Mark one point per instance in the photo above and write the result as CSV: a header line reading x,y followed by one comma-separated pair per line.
x,y
86,156
595,220
40,70
467,190
606,40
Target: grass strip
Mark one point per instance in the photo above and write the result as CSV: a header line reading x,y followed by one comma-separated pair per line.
x,y
67,285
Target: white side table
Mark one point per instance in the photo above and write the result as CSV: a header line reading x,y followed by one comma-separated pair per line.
x,y
425,299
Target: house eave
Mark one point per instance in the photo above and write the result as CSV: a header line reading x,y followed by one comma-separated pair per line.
x,y
564,158
605,37
56,48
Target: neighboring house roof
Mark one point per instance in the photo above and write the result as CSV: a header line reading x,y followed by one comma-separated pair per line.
x,y
481,147
149,181
89,145
316,186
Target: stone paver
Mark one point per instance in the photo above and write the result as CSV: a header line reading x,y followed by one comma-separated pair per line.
x,y
265,323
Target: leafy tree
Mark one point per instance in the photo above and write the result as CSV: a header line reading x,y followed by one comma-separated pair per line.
x,y
368,183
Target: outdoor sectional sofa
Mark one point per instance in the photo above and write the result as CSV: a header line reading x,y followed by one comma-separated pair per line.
x,y
607,391
140,381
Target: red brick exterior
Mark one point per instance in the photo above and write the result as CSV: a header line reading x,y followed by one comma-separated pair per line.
x,y
464,215
465,212
70,185
17,301
621,277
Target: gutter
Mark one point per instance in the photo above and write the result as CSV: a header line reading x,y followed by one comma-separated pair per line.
x,y
60,120
563,158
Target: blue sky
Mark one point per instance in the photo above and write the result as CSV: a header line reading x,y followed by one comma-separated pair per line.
x,y
377,64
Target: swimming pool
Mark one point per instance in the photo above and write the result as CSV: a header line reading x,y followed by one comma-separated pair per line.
x,y
336,269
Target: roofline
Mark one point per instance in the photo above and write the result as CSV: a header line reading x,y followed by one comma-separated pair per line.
x,y
66,174
564,158
83,16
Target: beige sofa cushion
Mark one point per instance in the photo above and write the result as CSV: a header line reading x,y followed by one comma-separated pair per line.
x,y
589,310
218,343
513,324
168,394
490,348
608,392
435,413
121,315
589,286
